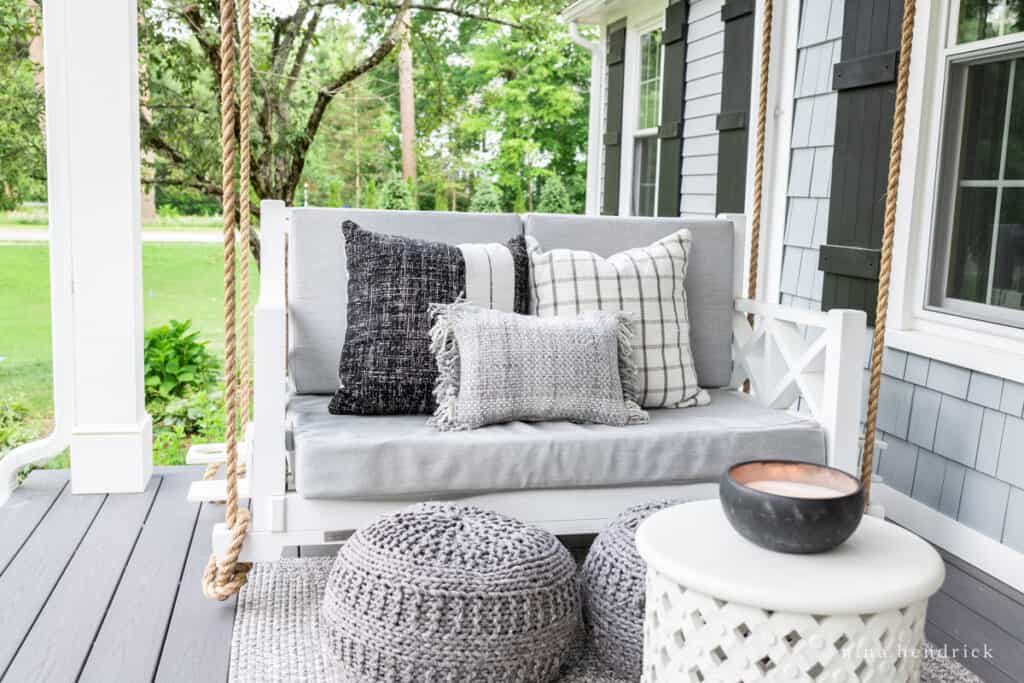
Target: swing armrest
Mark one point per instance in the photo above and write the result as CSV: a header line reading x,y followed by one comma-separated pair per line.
x,y
809,360
268,459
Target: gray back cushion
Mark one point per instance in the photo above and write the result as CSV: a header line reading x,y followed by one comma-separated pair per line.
x,y
709,283
318,279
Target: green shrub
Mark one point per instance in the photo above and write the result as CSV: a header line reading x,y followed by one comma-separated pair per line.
x,y
396,194
554,198
13,428
441,198
177,362
200,412
369,198
486,199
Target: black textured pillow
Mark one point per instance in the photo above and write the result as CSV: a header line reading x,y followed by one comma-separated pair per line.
x,y
386,366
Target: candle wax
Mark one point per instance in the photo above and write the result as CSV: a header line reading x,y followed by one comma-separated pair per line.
x,y
793,489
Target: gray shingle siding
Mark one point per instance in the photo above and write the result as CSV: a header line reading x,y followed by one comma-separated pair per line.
x,y
810,167
960,457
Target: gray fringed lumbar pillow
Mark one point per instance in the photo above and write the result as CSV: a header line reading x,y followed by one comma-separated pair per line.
x,y
499,367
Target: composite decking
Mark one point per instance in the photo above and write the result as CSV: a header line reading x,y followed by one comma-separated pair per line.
x,y
107,588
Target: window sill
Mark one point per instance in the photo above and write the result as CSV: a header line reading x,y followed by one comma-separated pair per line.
x,y
999,355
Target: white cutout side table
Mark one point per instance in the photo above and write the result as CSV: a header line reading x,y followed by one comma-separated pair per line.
x,y
721,609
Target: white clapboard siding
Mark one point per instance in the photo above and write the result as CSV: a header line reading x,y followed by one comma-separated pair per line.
x,y
705,45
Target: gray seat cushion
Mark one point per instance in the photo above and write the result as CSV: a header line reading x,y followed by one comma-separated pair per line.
x,y
401,457
709,274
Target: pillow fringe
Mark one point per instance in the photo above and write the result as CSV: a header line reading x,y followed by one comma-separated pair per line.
x,y
627,368
446,350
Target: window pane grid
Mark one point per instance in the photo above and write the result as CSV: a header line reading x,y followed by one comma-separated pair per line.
x,y
986,255
650,80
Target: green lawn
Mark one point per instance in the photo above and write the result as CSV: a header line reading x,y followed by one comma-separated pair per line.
x,y
35,218
180,281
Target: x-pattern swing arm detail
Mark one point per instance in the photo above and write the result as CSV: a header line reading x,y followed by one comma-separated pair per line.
x,y
225,576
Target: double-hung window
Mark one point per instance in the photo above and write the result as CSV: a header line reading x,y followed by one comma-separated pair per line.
x,y
645,137
977,262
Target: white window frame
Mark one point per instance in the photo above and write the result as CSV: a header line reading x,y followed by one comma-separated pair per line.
x,y
654,20
980,345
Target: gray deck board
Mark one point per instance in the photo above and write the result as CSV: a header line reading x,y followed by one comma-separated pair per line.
x,y
980,593
128,645
975,631
23,512
984,669
198,642
75,609
107,588
34,572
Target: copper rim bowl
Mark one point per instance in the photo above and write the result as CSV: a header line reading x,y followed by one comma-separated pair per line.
x,y
791,523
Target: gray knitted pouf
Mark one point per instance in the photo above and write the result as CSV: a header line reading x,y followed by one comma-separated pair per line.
x,y
442,592
613,587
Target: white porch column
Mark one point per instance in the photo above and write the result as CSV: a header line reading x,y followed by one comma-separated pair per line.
x,y
92,111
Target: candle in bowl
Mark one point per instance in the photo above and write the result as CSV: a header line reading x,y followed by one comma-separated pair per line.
x,y
794,489
792,507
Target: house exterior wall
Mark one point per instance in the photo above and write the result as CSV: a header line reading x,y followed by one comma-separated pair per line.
x,y
704,45
705,42
814,122
950,432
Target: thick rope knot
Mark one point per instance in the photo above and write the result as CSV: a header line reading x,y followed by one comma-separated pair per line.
x,y
225,577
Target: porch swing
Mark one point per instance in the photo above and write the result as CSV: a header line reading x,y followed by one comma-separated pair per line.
x,y
819,371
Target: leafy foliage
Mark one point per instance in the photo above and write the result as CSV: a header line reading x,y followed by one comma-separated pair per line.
x,y
198,412
177,362
183,392
13,428
505,104
396,194
554,198
486,199
22,153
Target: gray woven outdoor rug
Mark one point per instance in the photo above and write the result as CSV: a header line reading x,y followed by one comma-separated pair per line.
x,y
277,633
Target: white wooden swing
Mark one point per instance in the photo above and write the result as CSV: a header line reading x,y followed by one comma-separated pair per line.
x,y
819,371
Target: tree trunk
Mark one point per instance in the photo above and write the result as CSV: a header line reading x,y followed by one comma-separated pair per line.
x,y
407,101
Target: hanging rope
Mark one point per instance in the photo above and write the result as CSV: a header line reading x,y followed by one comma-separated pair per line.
x,y
224,577
762,119
244,207
889,229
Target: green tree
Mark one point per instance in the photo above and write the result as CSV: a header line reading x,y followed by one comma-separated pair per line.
x,y
371,199
292,91
507,103
396,194
22,152
554,198
486,199
440,198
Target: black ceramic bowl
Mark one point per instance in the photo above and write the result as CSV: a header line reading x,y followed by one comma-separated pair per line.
x,y
792,507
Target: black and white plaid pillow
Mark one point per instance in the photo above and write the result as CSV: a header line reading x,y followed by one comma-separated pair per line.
x,y
386,366
646,282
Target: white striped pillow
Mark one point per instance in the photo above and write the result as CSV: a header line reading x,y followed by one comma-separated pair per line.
x,y
646,282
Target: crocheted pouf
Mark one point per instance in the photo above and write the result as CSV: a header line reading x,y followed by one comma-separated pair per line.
x,y
613,584
442,592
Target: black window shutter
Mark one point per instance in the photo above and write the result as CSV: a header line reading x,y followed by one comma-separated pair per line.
x,y
616,61
866,81
733,122
673,104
